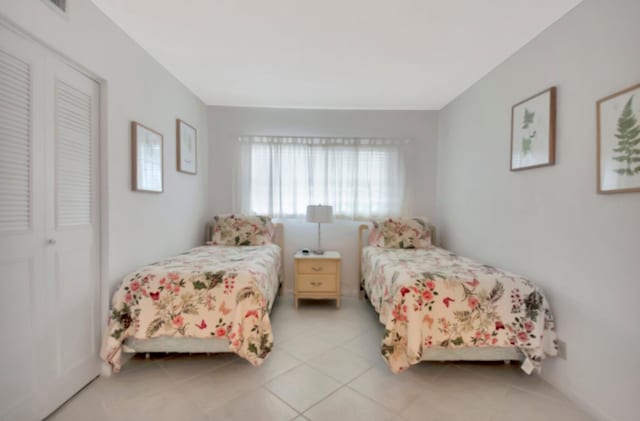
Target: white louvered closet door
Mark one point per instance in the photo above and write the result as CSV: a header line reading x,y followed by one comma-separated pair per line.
x,y
22,261
72,231
49,229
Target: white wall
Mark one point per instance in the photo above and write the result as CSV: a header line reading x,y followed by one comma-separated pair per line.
x,y
549,224
227,123
140,227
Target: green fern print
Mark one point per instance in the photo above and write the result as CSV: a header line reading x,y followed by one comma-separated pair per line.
x,y
628,148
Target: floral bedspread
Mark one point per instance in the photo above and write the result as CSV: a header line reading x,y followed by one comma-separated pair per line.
x,y
434,298
206,292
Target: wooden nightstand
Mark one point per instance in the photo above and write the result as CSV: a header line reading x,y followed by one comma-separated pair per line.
x,y
318,276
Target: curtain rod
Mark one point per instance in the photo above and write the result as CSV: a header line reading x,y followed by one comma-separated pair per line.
x,y
397,139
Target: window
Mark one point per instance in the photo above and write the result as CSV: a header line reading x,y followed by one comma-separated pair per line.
x,y
280,176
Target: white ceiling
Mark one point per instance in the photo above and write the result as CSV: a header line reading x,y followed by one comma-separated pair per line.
x,y
338,54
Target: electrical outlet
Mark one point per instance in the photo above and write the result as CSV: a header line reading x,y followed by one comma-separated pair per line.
x,y
562,349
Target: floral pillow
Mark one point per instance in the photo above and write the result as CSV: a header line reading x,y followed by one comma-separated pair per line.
x,y
400,233
241,230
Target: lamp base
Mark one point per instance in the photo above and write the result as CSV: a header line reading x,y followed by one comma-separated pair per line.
x,y
317,251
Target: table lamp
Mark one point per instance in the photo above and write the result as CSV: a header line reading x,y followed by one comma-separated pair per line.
x,y
319,214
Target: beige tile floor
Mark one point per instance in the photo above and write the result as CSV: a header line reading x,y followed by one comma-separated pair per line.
x,y
325,366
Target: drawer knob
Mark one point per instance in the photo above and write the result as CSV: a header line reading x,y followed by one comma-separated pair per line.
x,y
316,268
316,283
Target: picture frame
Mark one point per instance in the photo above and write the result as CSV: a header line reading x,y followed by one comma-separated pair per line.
x,y
187,147
147,153
618,141
533,131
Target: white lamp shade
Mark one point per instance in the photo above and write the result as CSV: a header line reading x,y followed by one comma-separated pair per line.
x,y
320,214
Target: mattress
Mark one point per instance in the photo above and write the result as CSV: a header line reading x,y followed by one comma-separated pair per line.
x,y
432,299
221,294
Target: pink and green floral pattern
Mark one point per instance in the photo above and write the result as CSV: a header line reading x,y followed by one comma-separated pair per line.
x,y
400,233
207,292
434,298
241,230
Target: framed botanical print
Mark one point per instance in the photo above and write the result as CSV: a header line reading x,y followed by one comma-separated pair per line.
x,y
147,159
533,131
187,144
619,141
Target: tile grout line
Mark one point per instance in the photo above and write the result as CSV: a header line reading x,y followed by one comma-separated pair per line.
x,y
323,399
281,400
313,369
393,411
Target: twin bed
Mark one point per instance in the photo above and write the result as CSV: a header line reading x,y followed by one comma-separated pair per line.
x,y
214,298
434,304
438,306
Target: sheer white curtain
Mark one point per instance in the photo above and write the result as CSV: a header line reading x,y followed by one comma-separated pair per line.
x,y
280,176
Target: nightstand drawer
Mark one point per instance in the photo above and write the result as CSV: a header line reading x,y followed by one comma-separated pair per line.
x,y
320,283
317,266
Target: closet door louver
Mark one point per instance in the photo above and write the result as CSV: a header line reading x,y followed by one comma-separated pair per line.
x,y
15,144
73,156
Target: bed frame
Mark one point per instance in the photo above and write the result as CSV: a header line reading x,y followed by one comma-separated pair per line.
x,y
506,354
199,345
